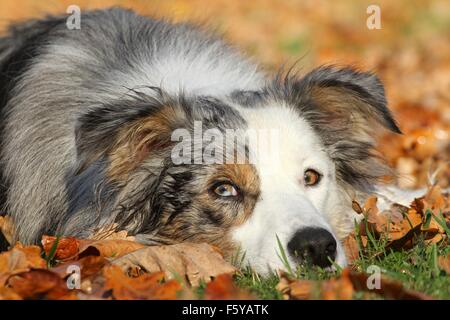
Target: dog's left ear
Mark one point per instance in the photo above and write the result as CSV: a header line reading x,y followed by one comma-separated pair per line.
x,y
126,133
348,98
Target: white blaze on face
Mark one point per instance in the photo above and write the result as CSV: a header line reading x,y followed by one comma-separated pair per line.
x,y
285,204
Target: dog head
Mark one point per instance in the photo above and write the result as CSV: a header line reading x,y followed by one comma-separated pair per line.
x,y
300,148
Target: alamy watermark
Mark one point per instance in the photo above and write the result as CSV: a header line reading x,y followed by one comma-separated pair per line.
x,y
73,22
374,19
74,279
374,280
231,146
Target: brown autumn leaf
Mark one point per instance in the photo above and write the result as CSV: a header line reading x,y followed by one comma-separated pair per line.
x,y
343,288
8,294
71,248
7,228
20,259
66,248
88,266
190,261
222,287
444,263
40,284
401,225
340,288
108,248
297,290
145,287
434,200
351,248
389,288
109,232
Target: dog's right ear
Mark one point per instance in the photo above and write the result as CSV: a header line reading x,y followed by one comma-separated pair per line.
x,y
125,133
348,110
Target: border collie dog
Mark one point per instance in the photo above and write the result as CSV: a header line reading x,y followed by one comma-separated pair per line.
x,y
88,139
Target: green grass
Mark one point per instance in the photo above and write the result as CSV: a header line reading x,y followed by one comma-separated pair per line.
x,y
416,268
50,258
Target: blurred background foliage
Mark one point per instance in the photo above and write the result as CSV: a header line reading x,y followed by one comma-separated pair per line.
x,y
411,53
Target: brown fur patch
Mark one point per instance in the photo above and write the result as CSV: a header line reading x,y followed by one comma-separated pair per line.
x,y
345,110
137,140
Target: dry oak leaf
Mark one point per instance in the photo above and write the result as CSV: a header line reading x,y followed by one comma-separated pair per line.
x,y
351,248
222,287
7,228
71,248
109,232
343,288
108,248
19,259
144,287
297,290
444,263
398,225
435,200
389,288
8,294
340,288
89,266
66,248
40,284
191,261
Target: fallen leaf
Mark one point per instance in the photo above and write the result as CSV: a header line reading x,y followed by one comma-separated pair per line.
x,y
222,287
7,228
338,289
190,261
145,287
343,288
356,207
297,290
109,232
108,248
66,248
40,284
351,248
8,294
19,259
88,266
69,248
444,263
389,289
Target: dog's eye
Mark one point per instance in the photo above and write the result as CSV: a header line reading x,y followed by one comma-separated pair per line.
x,y
225,190
311,177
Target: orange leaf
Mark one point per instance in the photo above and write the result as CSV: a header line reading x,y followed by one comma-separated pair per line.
x,y
351,248
222,287
192,261
108,248
20,259
444,263
38,284
7,228
65,249
338,289
144,287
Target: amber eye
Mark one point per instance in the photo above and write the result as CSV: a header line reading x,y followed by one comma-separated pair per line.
x,y
225,190
311,177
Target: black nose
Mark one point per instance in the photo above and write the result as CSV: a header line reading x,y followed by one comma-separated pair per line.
x,y
314,245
